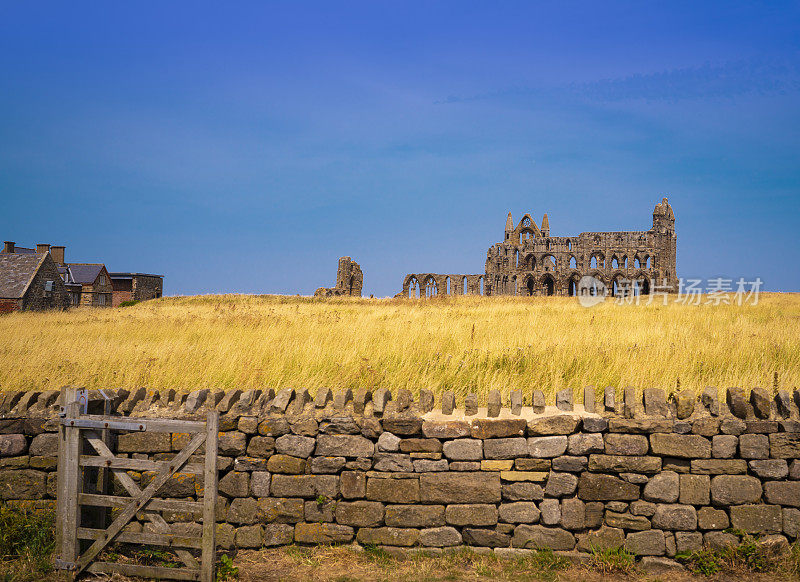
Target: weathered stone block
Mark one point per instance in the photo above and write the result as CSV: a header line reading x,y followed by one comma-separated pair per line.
x,y
546,447
519,512
754,446
278,534
359,513
757,519
561,484
717,540
568,464
735,490
340,445
415,515
430,466
261,446
770,468
294,445
322,533
387,536
234,484
791,522
784,445
640,425
388,443
259,483
276,510
723,446
420,445
13,445
403,426
135,442
561,424
483,487
445,429
308,486
522,491
476,514
327,465
605,538
626,444
583,443
783,492
599,487
643,508
485,538
286,464
537,536
688,446
506,448
627,521
695,489
440,537
23,484
353,484
550,512
646,543
393,462
719,466
710,518
498,428
624,464
249,536
243,510
463,450
675,517
274,427
573,514
524,464
393,490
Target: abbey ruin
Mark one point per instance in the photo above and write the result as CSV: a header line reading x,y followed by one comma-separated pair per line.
x,y
531,262
349,280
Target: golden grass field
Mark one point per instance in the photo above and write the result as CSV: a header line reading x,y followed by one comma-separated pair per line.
x,y
461,343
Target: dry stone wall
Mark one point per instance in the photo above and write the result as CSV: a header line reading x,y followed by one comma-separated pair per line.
x,y
623,468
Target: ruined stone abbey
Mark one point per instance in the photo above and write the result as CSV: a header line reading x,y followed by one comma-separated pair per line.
x,y
529,261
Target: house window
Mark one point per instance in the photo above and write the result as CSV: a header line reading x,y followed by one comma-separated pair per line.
x,y
102,279
102,299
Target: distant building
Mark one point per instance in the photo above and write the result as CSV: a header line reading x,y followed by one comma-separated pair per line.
x,y
30,281
349,280
90,284
136,287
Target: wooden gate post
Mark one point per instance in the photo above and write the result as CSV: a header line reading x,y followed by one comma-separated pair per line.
x,y
68,478
209,556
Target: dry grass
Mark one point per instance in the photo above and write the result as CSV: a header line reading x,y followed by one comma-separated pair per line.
x,y
460,343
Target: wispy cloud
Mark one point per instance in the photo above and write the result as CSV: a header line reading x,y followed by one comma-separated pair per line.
x,y
725,81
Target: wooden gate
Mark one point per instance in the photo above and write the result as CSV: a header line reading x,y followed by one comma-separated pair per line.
x,y
84,501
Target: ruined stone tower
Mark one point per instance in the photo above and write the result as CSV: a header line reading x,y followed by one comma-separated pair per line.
x,y
349,280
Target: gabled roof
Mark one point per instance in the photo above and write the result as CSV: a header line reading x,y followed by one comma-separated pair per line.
x,y
84,273
16,273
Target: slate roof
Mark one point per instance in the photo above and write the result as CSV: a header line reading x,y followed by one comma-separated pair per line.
x,y
132,275
16,273
83,273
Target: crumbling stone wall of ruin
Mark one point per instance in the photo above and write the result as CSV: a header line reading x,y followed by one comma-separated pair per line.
x,y
349,280
529,261
610,468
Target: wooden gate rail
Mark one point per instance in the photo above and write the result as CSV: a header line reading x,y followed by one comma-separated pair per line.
x,y
79,431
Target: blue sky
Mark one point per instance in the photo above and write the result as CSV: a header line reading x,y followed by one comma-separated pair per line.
x,y
243,147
